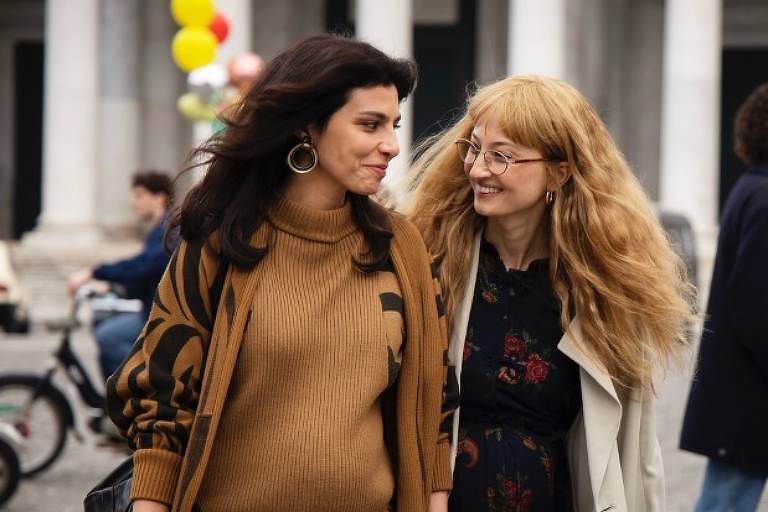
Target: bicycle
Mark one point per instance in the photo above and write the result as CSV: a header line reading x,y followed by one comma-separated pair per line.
x,y
10,471
40,412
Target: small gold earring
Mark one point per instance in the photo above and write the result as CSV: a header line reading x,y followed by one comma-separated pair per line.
x,y
549,197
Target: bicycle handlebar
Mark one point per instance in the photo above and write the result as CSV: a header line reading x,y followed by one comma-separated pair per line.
x,y
99,302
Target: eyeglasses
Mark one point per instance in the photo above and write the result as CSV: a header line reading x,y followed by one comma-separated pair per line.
x,y
496,161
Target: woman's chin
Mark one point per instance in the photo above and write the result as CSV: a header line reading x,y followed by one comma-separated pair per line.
x,y
367,189
483,208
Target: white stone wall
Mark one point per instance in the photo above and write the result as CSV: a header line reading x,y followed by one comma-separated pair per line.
x,y
165,136
491,40
120,74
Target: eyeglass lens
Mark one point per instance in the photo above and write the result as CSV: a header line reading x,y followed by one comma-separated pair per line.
x,y
495,160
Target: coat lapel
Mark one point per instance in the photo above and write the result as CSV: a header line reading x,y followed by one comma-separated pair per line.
x,y
601,408
459,335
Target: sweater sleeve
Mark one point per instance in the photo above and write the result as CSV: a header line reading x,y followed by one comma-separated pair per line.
x,y
152,397
442,478
652,466
440,415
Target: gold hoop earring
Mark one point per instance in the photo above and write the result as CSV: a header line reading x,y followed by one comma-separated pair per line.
x,y
302,157
549,197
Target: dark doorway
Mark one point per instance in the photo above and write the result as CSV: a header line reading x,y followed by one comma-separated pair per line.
x,y
446,58
28,146
743,70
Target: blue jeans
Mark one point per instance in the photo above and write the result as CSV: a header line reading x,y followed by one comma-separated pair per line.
x,y
115,337
727,488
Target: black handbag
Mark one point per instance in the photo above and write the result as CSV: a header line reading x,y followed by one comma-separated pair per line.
x,y
113,494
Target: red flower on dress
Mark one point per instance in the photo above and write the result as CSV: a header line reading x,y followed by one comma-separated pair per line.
x,y
489,297
525,500
509,487
469,446
536,369
467,351
514,347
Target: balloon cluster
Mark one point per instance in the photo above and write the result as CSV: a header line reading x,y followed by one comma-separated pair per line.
x,y
202,29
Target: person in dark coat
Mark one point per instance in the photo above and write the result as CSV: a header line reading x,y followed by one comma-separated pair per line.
x,y
727,414
151,194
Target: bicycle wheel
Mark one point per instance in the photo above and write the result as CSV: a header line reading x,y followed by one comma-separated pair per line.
x,y
9,471
42,423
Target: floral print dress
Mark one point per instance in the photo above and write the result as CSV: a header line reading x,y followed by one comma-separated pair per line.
x,y
519,395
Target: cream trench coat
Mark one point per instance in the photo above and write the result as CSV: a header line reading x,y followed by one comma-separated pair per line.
x,y
613,452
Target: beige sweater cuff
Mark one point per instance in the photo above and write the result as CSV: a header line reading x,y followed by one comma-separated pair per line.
x,y
155,473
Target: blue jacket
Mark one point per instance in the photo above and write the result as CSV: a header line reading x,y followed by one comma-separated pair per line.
x,y
141,273
727,413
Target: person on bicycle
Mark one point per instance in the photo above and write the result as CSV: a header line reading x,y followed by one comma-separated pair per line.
x,y
151,196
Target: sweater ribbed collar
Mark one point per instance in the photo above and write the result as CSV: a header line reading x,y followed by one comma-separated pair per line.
x,y
318,225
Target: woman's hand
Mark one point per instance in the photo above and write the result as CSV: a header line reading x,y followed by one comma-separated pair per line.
x,y
151,506
438,501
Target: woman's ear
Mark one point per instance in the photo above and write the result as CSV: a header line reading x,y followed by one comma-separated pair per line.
x,y
561,174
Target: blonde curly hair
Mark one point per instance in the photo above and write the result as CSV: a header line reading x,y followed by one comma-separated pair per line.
x,y
610,260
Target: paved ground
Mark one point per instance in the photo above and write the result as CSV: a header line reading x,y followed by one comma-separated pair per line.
x,y
62,487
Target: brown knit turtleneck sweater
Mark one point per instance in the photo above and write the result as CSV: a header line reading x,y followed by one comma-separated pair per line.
x,y
302,427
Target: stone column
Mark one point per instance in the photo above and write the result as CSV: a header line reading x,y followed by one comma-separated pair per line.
x,y
165,136
238,12
691,114
119,153
389,27
537,38
70,132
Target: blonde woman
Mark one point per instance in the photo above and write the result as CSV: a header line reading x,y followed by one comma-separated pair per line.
x,y
564,298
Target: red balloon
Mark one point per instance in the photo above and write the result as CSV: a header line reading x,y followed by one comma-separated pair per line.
x,y
220,27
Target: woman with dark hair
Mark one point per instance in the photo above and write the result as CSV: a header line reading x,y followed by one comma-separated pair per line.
x,y
294,356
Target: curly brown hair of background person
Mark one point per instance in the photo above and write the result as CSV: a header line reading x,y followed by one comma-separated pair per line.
x,y
751,128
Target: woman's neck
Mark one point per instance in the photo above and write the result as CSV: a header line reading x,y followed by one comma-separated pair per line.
x,y
518,242
312,191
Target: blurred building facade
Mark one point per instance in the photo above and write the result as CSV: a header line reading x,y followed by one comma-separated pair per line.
x,y
88,89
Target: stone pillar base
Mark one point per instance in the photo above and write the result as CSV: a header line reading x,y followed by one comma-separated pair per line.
x,y
62,236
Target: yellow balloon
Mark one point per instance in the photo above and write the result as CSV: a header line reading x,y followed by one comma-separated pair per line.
x,y
189,13
193,47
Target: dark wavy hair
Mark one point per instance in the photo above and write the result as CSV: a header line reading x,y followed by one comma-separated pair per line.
x,y
247,172
751,128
